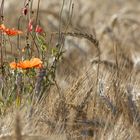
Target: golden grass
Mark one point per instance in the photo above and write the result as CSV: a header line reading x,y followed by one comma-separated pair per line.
x,y
98,80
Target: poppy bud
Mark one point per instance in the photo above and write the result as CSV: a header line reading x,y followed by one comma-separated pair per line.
x,y
25,11
23,50
38,29
30,25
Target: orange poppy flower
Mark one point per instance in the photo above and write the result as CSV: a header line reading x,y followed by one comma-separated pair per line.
x,y
38,66
26,64
14,65
35,62
10,32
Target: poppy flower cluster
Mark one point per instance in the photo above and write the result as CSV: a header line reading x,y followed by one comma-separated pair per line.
x,y
38,29
27,64
8,31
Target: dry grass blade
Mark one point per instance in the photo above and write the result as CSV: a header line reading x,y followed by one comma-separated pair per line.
x,y
17,135
105,62
134,113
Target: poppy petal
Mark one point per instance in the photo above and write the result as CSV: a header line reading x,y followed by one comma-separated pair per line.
x,y
35,62
12,32
24,64
13,65
38,29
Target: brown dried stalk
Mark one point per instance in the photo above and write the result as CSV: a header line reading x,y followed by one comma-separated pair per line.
x,y
1,35
18,135
133,111
39,81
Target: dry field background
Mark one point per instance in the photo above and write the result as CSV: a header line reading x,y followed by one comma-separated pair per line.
x,y
98,86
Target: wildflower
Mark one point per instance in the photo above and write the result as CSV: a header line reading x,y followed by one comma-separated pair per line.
x,y
27,64
14,65
8,31
12,32
30,25
36,63
24,64
38,29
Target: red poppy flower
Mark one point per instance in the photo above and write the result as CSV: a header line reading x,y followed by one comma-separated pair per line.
x,y
38,29
30,25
